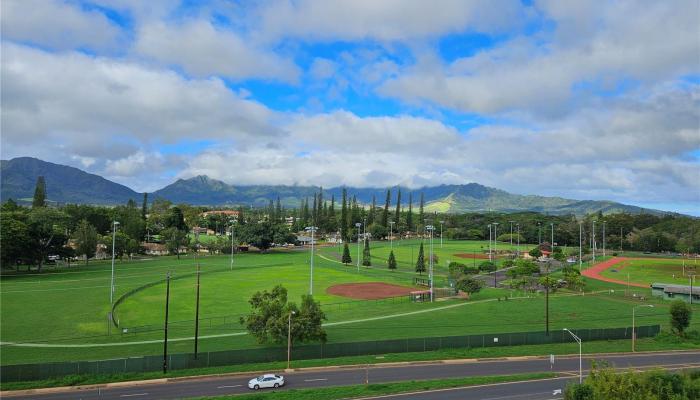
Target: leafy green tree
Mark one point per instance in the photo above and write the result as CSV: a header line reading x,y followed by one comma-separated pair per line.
x,y
121,243
536,253
174,240
270,315
366,258
176,219
468,285
344,231
144,206
47,234
397,217
487,266
346,255
420,262
14,238
39,199
391,263
680,316
85,240
378,231
421,214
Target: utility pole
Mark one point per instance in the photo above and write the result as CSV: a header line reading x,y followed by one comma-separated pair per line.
x,y
231,222
431,228
603,238
196,316
111,286
580,248
495,275
165,330
511,236
518,240
593,242
358,225
489,242
552,247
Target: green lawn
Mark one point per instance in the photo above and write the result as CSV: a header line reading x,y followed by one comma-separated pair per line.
x,y
70,306
663,270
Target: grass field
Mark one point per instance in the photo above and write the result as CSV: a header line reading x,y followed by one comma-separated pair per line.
x,y
648,271
61,312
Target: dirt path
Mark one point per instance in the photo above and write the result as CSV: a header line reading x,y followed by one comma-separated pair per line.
x,y
594,271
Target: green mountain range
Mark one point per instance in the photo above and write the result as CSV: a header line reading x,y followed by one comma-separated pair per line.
x,y
71,185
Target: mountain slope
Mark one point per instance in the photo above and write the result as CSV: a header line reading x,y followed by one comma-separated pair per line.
x,y
64,184
68,184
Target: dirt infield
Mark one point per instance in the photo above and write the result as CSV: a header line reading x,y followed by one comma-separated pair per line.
x,y
478,256
369,290
594,271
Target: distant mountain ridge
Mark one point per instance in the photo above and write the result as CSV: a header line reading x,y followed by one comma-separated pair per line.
x,y
71,185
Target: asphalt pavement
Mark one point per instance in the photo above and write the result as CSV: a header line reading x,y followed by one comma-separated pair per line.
x,y
226,385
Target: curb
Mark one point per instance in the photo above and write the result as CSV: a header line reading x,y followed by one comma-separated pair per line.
x,y
65,389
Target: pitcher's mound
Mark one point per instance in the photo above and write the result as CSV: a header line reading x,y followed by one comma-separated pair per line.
x,y
369,290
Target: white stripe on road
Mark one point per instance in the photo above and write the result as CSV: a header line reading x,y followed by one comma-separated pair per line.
x,y
315,380
229,386
135,394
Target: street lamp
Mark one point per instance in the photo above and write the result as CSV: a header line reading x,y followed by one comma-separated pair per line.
x,y
552,244
495,235
593,242
580,362
114,238
441,222
580,249
231,222
634,331
489,225
358,225
391,234
289,339
511,236
311,229
518,225
431,228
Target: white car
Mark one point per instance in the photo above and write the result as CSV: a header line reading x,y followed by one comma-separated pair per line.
x,y
266,381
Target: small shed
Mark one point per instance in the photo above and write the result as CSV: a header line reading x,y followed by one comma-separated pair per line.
x,y
675,292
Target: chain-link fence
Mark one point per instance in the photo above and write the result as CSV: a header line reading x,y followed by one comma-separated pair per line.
x,y
26,372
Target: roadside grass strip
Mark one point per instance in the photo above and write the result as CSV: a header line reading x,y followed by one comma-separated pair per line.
x,y
378,389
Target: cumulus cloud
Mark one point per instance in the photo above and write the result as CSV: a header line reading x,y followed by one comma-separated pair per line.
x,y
595,48
203,50
57,25
385,20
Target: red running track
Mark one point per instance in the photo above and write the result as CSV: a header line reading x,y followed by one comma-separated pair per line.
x,y
594,271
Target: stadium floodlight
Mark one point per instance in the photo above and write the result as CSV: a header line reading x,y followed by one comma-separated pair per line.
x,y
114,238
311,229
431,228
580,361
358,225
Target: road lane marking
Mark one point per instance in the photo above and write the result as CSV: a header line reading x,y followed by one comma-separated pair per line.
x,y
228,386
133,395
315,380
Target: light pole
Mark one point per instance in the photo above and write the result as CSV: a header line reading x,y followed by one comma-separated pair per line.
x,y
431,228
289,339
518,225
539,233
593,242
580,361
495,235
489,242
441,222
552,246
391,234
358,225
231,222
114,238
634,330
603,238
580,249
311,229
511,236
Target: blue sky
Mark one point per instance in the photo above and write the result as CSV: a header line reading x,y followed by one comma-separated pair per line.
x,y
575,99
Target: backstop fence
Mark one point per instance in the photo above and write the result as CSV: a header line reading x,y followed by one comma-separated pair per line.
x,y
27,372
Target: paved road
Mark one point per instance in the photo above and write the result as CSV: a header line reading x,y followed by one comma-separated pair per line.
x,y
350,376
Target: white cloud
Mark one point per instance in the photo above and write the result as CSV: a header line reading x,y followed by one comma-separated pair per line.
x,y
322,68
598,48
385,20
57,25
203,50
